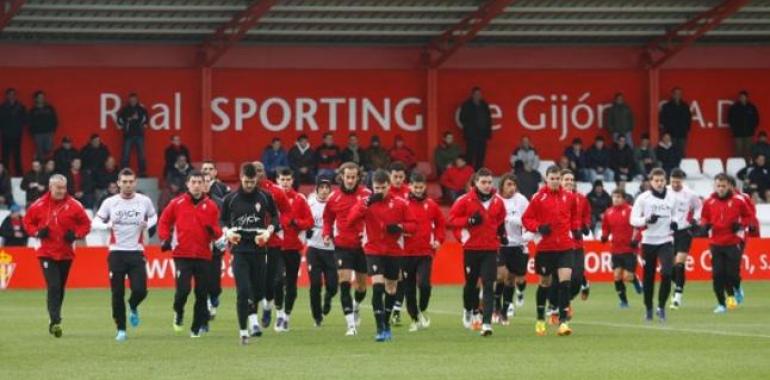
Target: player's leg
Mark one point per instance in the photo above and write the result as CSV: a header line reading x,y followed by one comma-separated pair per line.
x,y
718,278
424,271
565,263
521,265
545,270
315,274
331,280
244,296
271,273
400,293
650,255
215,287
359,295
183,289
391,274
256,277
376,271
53,290
732,270
666,258
409,281
470,290
118,269
200,311
346,299
488,272
279,288
682,242
739,296
500,276
291,260
137,277
579,283
617,277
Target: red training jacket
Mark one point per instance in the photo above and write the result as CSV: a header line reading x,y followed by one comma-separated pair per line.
x,y
583,216
377,240
753,221
430,227
300,214
59,216
282,205
402,191
454,178
336,216
558,209
484,236
721,214
616,222
185,224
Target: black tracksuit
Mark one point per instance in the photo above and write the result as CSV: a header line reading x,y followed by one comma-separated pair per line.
x,y
12,120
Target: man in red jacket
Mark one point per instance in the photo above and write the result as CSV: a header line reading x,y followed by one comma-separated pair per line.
x,y
552,213
398,188
346,238
419,249
753,229
455,178
475,218
725,215
625,245
57,220
294,223
386,220
187,227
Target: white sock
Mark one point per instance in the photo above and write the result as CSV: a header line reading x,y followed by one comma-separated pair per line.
x,y
253,320
351,319
286,316
244,333
280,314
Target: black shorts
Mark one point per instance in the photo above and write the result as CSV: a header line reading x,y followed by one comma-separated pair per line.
x,y
352,259
625,261
547,263
514,259
682,241
387,266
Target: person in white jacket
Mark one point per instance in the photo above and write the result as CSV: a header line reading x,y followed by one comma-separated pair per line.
x,y
321,264
513,258
687,210
654,212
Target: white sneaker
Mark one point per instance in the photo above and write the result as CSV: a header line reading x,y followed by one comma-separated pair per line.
x,y
424,321
486,330
351,331
511,311
414,326
467,319
519,299
676,301
357,315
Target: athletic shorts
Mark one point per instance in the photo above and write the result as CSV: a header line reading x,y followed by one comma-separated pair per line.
x,y
387,266
682,241
547,263
625,261
352,259
514,259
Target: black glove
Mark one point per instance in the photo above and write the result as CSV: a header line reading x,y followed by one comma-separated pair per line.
x,y
577,234
504,240
737,227
475,219
374,198
703,231
653,219
309,234
605,239
674,226
585,230
293,224
634,244
753,230
394,229
69,236
152,230
544,229
502,235
43,233
210,231
166,246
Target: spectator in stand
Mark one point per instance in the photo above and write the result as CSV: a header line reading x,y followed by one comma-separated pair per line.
x,y
174,150
743,118
645,157
112,189
622,160
446,153
376,156
761,146
675,119
643,186
34,182
178,175
170,191
529,179
13,117
6,192
274,157
600,201
620,120
133,119
353,152
525,153
598,161
104,176
50,168
455,179
12,229
400,152
42,125
302,161
217,188
668,155
79,184
564,163
476,121
758,175
577,159
621,185
94,154
328,157
64,155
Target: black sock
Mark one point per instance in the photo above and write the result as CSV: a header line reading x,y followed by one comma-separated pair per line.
x,y
507,298
400,291
378,305
553,295
390,300
564,298
499,296
678,277
620,288
521,287
541,296
360,295
345,299
425,292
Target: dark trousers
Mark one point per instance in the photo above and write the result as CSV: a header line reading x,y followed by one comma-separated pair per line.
x,y
477,152
43,145
130,142
652,254
186,271
12,149
215,275
480,265
273,272
124,264
726,267
286,289
55,273
249,273
417,271
322,269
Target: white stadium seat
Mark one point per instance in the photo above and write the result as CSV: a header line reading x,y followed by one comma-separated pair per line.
x,y
19,195
702,187
609,186
691,167
734,165
544,164
584,187
763,214
712,167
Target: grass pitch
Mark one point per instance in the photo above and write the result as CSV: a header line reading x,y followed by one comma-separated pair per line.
x,y
608,343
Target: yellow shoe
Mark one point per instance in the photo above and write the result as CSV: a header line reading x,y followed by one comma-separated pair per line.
x,y
540,328
564,330
731,303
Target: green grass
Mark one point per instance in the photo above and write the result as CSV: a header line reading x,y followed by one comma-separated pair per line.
x,y
608,343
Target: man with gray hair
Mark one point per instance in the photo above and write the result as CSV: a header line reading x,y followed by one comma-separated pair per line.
x,y
57,220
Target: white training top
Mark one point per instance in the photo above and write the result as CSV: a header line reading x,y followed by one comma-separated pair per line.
x,y
126,219
686,202
317,209
514,209
648,204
